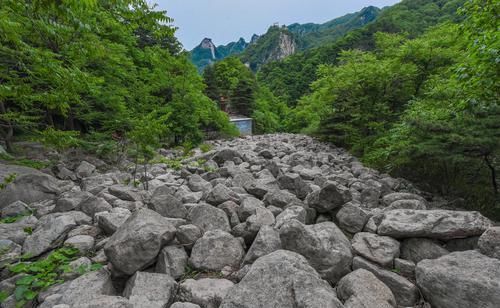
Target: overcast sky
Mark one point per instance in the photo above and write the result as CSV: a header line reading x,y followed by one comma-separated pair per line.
x,y
227,20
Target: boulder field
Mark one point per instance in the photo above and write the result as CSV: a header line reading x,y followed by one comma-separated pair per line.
x,y
257,222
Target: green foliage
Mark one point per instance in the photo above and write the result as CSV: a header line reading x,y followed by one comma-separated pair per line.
x,y
7,180
24,162
232,82
423,108
269,112
58,139
70,69
41,274
3,296
206,147
290,79
13,219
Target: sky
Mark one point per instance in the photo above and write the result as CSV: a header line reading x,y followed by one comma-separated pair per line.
x,y
225,21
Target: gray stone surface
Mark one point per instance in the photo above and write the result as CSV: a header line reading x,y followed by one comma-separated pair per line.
x,y
324,245
205,292
282,279
15,209
207,218
85,169
418,249
93,205
329,197
489,242
362,289
110,221
379,249
138,241
439,224
406,293
33,187
172,261
87,287
166,204
291,213
215,250
153,290
103,301
84,243
48,234
393,197
220,194
352,218
187,235
460,279
267,241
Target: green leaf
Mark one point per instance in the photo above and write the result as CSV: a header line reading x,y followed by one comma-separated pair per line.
x,y
29,295
26,280
19,292
3,296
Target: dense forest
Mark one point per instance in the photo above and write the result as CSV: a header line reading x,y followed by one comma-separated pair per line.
x,y
82,72
415,92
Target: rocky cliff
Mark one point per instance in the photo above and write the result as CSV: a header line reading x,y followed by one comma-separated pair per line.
x,y
265,221
269,47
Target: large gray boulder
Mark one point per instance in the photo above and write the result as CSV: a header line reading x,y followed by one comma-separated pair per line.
x,y
460,279
352,218
220,194
138,241
281,279
150,290
489,243
418,249
215,250
15,231
267,241
172,261
226,155
197,183
281,199
93,205
34,187
49,234
294,183
361,289
87,287
110,221
379,249
207,218
324,245
438,224
388,199
205,292
166,204
85,169
329,197
102,301
291,213
406,292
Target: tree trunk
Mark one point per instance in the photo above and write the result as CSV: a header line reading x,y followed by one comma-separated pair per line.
x,y
493,174
10,130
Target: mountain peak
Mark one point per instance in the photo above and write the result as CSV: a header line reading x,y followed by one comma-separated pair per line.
x,y
207,43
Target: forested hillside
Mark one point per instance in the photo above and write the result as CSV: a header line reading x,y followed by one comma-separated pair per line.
x,y
290,79
86,71
414,93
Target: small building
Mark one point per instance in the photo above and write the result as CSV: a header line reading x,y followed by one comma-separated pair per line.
x,y
244,125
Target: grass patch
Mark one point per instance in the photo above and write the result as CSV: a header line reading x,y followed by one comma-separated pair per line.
x,y
43,273
36,164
